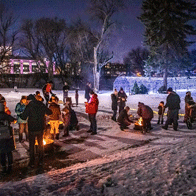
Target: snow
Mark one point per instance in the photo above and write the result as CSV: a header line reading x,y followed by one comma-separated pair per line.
x,y
126,163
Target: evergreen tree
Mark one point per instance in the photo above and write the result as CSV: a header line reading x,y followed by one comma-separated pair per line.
x,y
166,29
136,89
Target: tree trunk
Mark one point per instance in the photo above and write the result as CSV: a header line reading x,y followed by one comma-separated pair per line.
x,y
96,73
165,77
50,70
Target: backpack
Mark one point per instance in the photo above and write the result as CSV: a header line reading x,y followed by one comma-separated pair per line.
x,y
4,130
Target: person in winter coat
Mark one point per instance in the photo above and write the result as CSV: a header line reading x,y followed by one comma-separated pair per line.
x,y
23,127
123,119
47,90
65,91
35,111
161,110
173,105
54,118
66,116
121,99
114,97
147,114
87,91
6,144
187,99
91,110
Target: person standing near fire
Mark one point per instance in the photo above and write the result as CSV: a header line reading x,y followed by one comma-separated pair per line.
x,y
54,118
19,109
91,110
35,111
114,97
173,105
65,91
47,90
146,113
122,98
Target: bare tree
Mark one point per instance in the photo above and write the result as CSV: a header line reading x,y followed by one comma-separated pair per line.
x,y
135,59
8,36
102,11
44,39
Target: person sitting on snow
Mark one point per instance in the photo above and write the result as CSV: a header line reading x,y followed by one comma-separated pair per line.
x,y
123,118
147,114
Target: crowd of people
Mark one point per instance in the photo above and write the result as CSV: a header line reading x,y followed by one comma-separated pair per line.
x,y
33,117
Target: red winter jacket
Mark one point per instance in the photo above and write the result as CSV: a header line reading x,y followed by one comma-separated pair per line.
x,y
92,105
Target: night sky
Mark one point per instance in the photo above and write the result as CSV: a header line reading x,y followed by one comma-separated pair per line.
x,y
128,35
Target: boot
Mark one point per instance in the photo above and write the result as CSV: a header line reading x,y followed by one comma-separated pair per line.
x,y
158,122
162,122
9,170
57,136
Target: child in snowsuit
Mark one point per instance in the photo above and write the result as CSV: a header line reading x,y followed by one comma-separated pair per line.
x,y
161,110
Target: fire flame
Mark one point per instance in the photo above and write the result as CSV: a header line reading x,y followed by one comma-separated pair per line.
x,y
139,122
45,141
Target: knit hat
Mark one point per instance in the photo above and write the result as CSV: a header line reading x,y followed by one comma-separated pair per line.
x,y
169,89
31,97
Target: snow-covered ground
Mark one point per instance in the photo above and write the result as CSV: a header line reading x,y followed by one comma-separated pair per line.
x,y
162,164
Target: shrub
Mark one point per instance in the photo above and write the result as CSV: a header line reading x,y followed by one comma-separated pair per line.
x,y
143,89
136,89
162,90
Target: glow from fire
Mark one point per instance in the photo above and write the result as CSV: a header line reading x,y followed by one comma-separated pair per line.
x,y
139,122
138,74
44,141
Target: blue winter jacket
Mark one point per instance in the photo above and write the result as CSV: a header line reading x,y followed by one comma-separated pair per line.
x,y
19,110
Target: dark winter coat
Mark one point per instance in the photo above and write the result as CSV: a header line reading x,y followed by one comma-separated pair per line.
x,y
188,98
35,111
7,145
92,105
65,88
123,116
19,109
122,99
145,112
114,101
173,101
73,118
161,110
56,112
87,91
